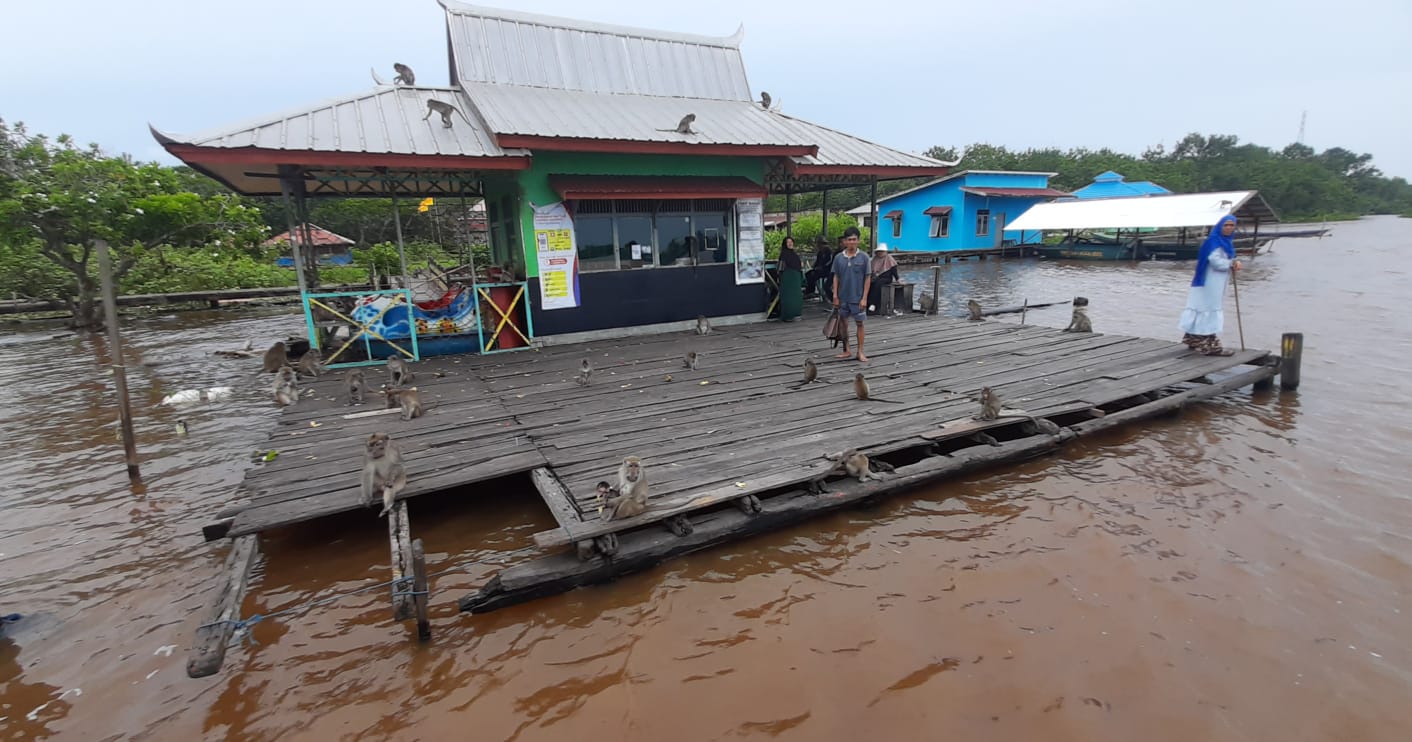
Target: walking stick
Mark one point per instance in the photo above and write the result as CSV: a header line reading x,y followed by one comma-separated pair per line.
x,y
1239,326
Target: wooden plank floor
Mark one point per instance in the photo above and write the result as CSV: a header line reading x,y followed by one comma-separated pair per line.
x,y
737,425
465,436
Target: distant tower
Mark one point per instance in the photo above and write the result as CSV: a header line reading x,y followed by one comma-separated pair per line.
x,y
1303,116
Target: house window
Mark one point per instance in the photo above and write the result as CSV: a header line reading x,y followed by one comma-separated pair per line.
x,y
651,233
982,222
941,225
897,226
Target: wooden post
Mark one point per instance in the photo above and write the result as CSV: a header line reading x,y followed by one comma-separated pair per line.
x,y
419,584
397,223
115,357
936,289
873,233
1291,355
788,214
399,535
208,649
825,210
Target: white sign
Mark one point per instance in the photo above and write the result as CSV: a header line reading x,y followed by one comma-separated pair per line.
x,y
750,240
558,257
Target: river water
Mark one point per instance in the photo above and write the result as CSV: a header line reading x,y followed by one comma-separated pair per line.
x,y
1239,572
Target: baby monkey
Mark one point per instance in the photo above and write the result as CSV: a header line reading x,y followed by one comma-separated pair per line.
x,y
690,360
973,310
286,386
862,392
355,384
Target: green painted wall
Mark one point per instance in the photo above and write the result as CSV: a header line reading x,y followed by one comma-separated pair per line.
x,y
534,183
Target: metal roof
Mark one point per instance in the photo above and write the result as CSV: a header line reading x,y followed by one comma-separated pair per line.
x,y
1109,184
840,150
503,47
573,114
381,128
384,120
1178,210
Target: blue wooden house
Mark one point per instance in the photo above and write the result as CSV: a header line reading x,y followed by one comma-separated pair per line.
x,y
964,211
1111,185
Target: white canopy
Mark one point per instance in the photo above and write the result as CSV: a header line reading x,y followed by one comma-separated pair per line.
x,y
1174,210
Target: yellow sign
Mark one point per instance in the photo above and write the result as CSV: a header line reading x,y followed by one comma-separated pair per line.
x,y
554,240
556,284
425,204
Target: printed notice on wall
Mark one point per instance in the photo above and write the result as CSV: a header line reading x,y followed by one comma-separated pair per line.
x,y
750,240
558,257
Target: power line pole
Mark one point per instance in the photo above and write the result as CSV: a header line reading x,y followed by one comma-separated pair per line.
x,y
1303,116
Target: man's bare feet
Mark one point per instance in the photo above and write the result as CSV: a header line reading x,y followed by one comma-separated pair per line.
x,y
844,356
862,358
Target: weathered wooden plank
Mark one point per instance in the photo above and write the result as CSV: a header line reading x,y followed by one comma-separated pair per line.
x,y
208,647
555,496
420,586
1174,402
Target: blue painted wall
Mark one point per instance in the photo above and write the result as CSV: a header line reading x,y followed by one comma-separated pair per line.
x,y
916,226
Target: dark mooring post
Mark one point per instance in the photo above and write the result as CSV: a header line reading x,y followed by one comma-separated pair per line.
x,y
936,289
873,232
115,354
419,586
1291,355
788,214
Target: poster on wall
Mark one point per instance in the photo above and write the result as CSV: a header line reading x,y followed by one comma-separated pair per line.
x,y
558,257
750,240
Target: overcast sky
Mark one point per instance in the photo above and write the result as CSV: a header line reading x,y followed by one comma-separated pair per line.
x,y
1122,74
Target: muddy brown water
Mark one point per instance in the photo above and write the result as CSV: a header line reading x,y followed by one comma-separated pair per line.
x,y
1239,572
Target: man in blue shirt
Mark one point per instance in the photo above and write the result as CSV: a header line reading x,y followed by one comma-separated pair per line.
x,y
851,276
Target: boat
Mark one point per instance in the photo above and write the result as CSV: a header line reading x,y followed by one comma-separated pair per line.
x,y
1153,227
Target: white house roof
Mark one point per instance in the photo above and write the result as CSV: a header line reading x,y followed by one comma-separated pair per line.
x,y
502,47
1176,210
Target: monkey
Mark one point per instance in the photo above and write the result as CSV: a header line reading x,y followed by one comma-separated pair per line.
x,y
811,374
1080,321
990,405
585,373
928,304
856,464
703,325
411,403
382,471
311,363
274,358
445,109
690,360
400,372
1037,425
765,100
355,384
985,438
973,308
405,75
286,386
603,491
684,126
862,392
631,490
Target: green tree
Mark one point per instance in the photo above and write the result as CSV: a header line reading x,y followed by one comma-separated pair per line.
x,y
57,198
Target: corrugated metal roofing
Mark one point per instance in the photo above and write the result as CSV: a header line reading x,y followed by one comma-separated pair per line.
x,y
386,120
839,149
503,47
1181,210
318,236
544,112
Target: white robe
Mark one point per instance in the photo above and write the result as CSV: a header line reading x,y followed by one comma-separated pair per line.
x,y
1203,315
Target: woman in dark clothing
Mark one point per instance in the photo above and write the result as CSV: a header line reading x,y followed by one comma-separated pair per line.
x,y
791,282
821,272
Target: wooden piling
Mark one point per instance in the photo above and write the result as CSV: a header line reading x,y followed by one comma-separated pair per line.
x,y
936,289
419,585
208,649
115,352
1291,356
399,534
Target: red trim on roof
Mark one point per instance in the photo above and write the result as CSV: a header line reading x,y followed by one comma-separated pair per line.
x,y
937,210
1014,192
192,154
894,214
570,144
655,186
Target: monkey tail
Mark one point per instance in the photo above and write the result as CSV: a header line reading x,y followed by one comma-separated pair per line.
x,y
376,79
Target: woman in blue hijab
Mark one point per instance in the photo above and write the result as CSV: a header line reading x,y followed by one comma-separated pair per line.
x,y
1202,319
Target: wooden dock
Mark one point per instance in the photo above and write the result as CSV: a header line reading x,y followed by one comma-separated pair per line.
x,y
732,448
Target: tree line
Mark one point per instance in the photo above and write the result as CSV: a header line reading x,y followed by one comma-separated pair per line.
x,y
1300,183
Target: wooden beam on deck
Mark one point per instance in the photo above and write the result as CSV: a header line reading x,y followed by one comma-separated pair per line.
x,y
208,648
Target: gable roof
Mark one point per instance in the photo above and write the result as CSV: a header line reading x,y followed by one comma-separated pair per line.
x,y
1109,184
505,47
317,236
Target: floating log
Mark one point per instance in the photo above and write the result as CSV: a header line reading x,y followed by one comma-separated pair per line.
x,y
1016,309
208,649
